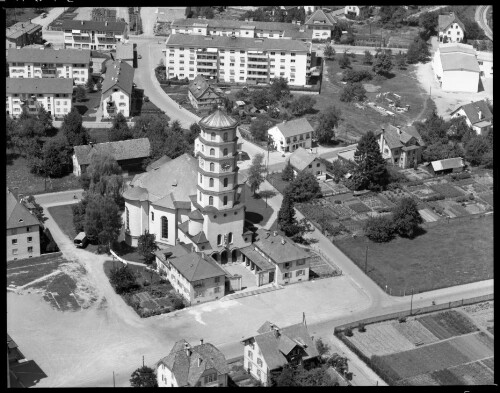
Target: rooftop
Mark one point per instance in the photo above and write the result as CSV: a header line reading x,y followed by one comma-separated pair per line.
x,y
120,74
257,258
31,55
196,266
17,214
472,111
320,17
120,150
199,86
158,163
116,27
301,158
38,86
218,119
20,28
124,51
444,21
394,139
457,61
236,24
294,127
279,248
448,163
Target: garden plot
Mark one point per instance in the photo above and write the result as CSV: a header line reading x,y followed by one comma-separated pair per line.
x,y
487,197
341,198
475,373
338,188
358,207
380,339
475,346
373,202
474,188
361,217
415,332
419,380
428,215
447,190
446,377
481,314
325,189
396,195
485,180
342,210
422,192
447,324
452,209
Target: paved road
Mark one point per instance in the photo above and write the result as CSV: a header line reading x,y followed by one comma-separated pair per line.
x,y
482,20
51,16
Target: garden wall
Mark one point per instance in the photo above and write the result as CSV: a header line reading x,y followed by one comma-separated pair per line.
x,y
40,259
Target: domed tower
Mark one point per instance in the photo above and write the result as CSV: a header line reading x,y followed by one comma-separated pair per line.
x,y
218,193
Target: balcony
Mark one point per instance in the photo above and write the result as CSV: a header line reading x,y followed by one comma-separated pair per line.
x,y
206,57
261,67
257,60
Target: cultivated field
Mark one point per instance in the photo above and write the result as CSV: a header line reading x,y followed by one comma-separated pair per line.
x,y
481,314
447,324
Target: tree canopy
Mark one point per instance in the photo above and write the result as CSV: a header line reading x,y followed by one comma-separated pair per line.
x,y
302,105
353,92
304,187
72,128
146,246
119,130
102,220
371,164
286,215
406,218
256,172
383,64
328,120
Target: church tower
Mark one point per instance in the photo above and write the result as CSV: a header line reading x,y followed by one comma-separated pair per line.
x,y
218,196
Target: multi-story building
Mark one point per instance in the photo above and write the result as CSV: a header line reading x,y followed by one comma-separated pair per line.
x,y
125,52
450,28
49,63
247,29
400,146
275,347
88,34
290,135
117,89
202,365
485,62
237,59
202,96
22,34
23,230
54,94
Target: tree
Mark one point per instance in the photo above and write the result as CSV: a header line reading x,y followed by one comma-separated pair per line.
x,y
344,61
371,164
287,173
260,98
336,33
90,85
322,347
122,279
383,64
368,59
256,171
73,129
406,218
285,377
428,22
440,151
352,92
79,214
302,105
56,157
38,210
401,61
80,93
286,215
188,13
329,52
45,118
328,120
194,131
418,51
119,130
379,229
174,142
352,76
102,220
146,246
475,149
259,128
279,88
304,187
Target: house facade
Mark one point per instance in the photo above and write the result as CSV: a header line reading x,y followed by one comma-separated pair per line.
x,y
305,160
321,24
202,96
450,28
88,34
290,135
477,115
22,34
202,365
273,348
456,68
400,146
485,62
49,63
23,230
55,95
117,89
237,59
355,10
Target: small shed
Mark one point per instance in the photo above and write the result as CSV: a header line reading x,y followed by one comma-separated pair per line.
x,y
448,165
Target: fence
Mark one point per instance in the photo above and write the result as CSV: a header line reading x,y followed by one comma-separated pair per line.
x,y
39,259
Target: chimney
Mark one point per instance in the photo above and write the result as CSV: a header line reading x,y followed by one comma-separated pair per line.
x,y
275,233
480,114
283,240
399,129
91,144
201,341
106,23
187,349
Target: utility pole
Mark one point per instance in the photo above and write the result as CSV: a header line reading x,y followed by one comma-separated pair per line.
x,y
366,259
142,361
411,302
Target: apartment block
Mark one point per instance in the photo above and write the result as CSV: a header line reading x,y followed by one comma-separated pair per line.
x,y
49,63
55,95
237,59
87,34
22,34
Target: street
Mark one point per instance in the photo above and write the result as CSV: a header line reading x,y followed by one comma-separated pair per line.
x,y
482,20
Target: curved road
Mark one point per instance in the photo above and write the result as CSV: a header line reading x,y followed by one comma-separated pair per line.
x,y
482,20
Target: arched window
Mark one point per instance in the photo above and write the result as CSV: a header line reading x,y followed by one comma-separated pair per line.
x,y
211,182
201,178
164,227
212,136
230,237
226,180
225,152
203,148
211,201
127,219
200,196
212,152
152,216
212,167
224,137
219,240
225,200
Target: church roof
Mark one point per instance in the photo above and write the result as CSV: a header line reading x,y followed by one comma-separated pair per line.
x,y
218,119
195,215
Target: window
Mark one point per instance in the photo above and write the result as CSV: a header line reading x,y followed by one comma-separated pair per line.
x,y
211,182
224,138
301,272
219,240
226,180
216,290
14,241
14,251
30,239
317,165
212,136
211,201
230,238
198,294
287,265
310,166
28,229
225,200
217,279
201,178
258,373
212,152
30,250
164,227
249,366
286,275
210,378
259,362
301,262
212,167
201,196
225,152
250,354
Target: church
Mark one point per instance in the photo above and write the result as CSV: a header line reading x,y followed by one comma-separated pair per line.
x,y
197,201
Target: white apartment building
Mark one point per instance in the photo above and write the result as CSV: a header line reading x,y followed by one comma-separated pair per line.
x,y
54,94
237,59
49,63
88,34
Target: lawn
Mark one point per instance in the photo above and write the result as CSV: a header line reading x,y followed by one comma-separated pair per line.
x,y
88,106
450,254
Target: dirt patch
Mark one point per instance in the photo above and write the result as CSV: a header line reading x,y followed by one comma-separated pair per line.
x,y
371,88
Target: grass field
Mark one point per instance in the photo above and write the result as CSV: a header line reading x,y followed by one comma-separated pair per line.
x,y
403,264
25,271
89,106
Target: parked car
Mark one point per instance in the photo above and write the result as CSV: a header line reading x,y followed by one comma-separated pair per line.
x,y
81,240
44,15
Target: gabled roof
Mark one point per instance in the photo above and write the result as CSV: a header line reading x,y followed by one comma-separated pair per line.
x,y
119,74
236,24
115,27
124,51
38,85
444,21
188,368
58,56
472,111
195,215
158,163
17,214
119,150
17,30
174,251
452,47
294,127
394,140
197,266
448,163
218,119
257,258
320,17
279,248
199,87
302,158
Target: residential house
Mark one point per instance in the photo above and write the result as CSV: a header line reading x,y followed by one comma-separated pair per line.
x,y
89,34
448,165
276,259
290,135
49,63
356,10
202,365
485,62
22,373
237,59
348,154
22,34
23,230
195,276
125,52
55,95
117,89
321,25
305,160
273,348
456,68
202,96
450,28
130,154
400,145
477,115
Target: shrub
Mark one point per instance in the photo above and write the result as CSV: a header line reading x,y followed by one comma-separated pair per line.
x,y
178,303
433,198
402,319
361,328
471,196
379,229
146,283
338,202
461,199
348,332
